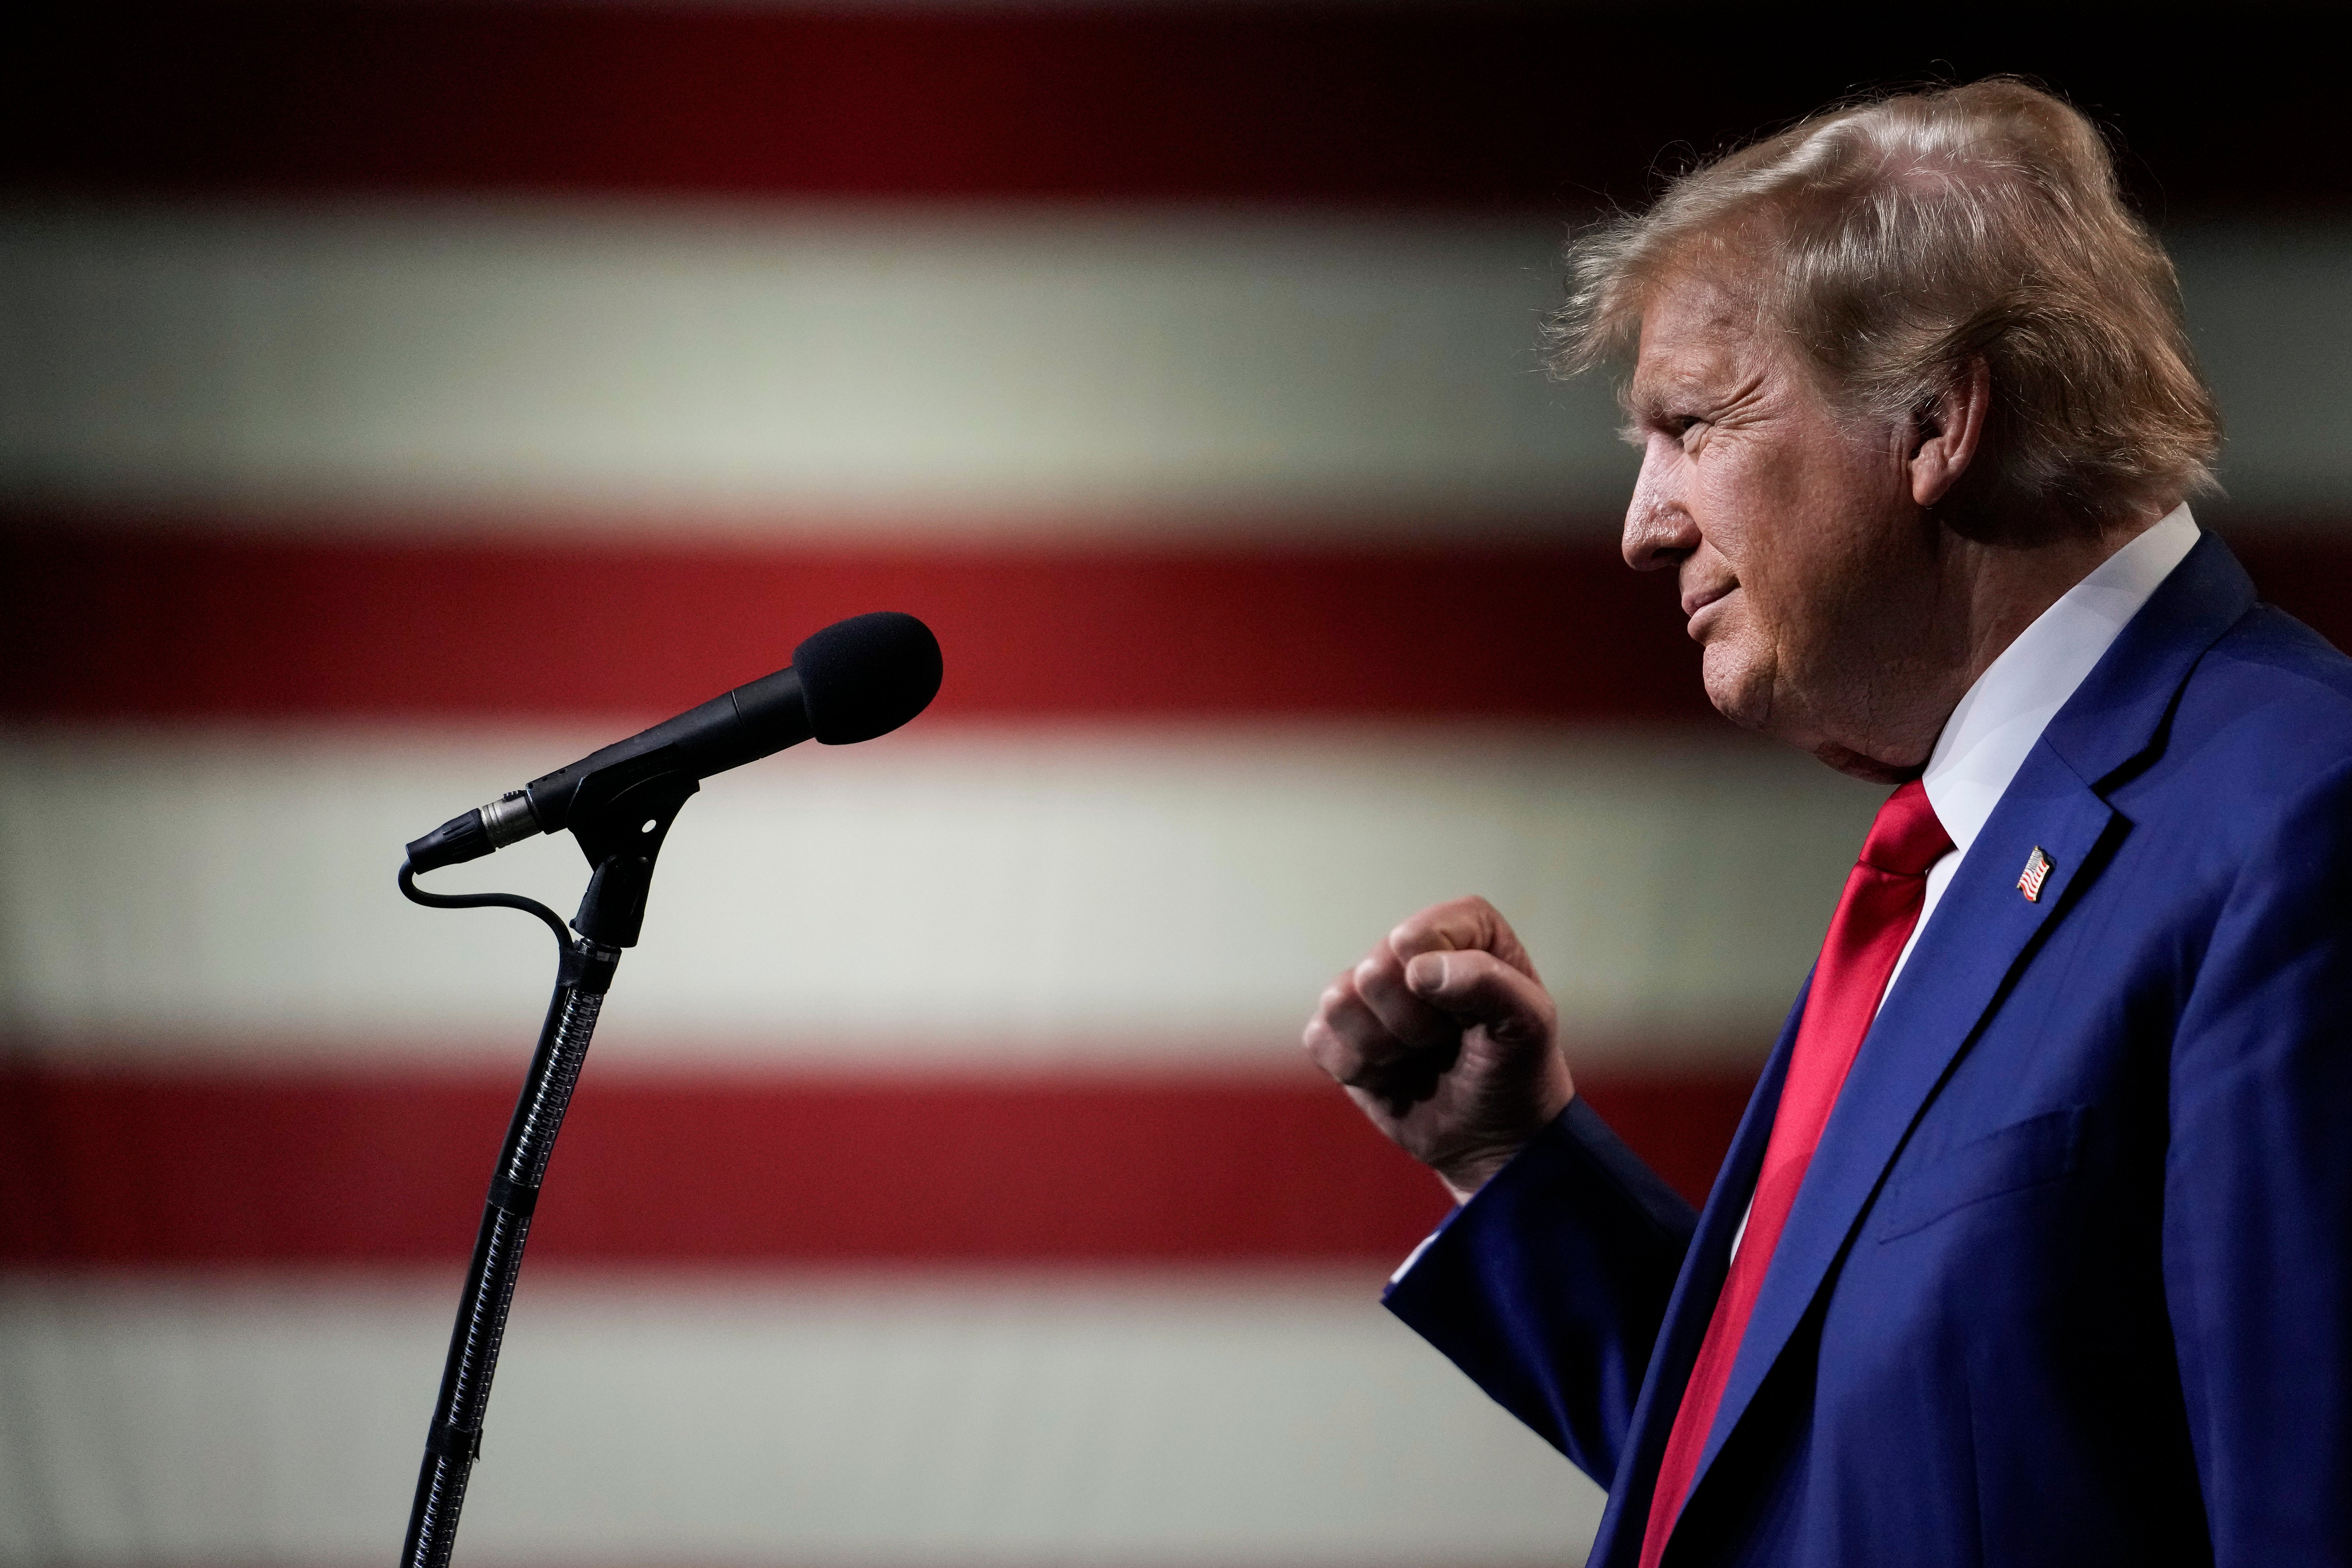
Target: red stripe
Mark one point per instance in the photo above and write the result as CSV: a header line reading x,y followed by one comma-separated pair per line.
x,y
96,625
99,625
1553,106
190,1168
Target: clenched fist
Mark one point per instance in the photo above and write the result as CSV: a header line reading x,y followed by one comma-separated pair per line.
x,y
1448,1041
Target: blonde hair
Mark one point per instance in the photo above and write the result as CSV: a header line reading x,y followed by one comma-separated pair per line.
x,y
1899,240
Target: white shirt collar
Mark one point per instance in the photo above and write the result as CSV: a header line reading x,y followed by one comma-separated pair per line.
x,y
1986,740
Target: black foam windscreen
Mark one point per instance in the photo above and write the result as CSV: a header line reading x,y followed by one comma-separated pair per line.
x,y
867,675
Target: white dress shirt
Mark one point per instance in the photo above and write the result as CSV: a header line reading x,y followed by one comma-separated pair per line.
x,y
1986,740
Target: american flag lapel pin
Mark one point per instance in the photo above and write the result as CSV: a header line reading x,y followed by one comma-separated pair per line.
x,y
2037,871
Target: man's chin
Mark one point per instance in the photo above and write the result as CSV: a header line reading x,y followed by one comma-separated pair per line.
x,y
1740,691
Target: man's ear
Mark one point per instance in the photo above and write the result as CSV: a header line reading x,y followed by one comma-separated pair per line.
x,y
1945,435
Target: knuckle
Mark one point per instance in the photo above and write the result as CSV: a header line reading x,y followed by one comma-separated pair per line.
x,y
1380,992
1328,1052
1421,925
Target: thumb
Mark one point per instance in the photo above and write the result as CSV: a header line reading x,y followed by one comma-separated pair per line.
x,y
1479,988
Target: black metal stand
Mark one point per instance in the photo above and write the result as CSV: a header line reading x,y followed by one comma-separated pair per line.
x,y
620,832
455,1439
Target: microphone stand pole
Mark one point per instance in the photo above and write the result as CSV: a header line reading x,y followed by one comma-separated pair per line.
x,y
454,1441
620,822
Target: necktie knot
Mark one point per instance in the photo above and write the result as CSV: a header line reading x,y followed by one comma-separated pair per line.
x,y
1906,839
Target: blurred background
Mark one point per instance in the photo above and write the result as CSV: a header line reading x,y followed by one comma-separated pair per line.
x,y
398,401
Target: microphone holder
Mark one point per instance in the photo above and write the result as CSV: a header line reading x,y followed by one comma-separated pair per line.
x,y
620,819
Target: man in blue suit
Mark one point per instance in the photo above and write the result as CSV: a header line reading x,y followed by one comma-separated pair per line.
x,y
2035,1243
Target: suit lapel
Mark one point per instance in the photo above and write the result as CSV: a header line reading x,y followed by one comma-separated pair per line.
x,y
1980,932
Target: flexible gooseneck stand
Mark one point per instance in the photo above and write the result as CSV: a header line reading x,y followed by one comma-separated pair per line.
x,y
854,680
620,823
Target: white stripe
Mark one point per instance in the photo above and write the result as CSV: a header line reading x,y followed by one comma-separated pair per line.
x,y
928,367
947,367
955,1421
959,895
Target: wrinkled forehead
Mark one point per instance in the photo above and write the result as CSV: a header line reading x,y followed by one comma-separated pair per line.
x,y
1699,332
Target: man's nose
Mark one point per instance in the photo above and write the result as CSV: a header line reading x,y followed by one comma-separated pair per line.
x,y
1659,529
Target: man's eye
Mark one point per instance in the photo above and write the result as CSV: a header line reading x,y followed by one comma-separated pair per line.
x,y
1687,426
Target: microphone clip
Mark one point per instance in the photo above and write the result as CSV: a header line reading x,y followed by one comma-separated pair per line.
x,y
620,818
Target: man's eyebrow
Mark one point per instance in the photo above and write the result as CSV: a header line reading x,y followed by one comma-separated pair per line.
x,y
1648,405
1638,410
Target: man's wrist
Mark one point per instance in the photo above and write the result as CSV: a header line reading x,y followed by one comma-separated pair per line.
x,y
1463,1180
1465,1173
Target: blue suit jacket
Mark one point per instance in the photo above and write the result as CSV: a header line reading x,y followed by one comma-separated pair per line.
x,y
2069,1280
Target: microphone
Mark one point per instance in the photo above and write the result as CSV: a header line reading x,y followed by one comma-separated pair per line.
x,y
854,680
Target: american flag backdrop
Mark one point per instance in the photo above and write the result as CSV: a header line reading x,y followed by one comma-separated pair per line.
x,y
397,402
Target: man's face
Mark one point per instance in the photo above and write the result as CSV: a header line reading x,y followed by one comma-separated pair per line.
x,y
1804,564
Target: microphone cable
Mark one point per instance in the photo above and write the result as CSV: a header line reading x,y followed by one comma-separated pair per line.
x,y
416,895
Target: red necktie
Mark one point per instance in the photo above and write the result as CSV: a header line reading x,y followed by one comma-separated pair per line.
x,y
1883,896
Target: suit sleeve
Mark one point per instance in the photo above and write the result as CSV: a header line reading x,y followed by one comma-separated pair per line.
x,y
2258,1197
1548,1286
